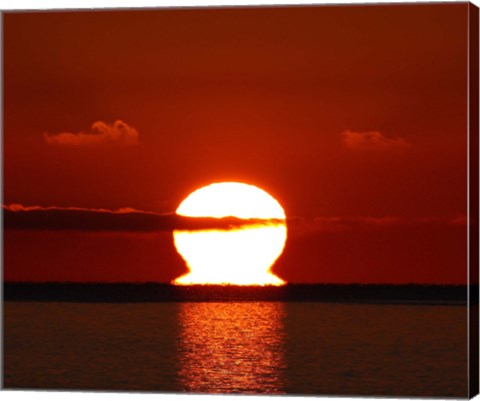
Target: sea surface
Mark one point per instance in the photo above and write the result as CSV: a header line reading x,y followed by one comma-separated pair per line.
x,y
296,348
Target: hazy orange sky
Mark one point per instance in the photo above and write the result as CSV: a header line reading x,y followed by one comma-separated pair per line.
x,y
353,117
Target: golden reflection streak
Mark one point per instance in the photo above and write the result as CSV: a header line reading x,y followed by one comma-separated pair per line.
x,y
241,256
231,347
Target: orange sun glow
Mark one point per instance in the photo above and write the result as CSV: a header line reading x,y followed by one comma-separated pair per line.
x,y
239,256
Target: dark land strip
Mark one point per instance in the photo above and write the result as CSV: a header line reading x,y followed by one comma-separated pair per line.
x,y
158,292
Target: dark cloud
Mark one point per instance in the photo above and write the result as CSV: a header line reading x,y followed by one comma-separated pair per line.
x,y
372,140
21,217
118,133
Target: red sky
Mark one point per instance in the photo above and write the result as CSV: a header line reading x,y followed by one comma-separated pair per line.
x,y
354,118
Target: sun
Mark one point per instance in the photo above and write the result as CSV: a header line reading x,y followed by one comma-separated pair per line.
x,y
237,256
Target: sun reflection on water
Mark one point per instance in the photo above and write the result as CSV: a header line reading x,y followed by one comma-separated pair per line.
x,y
231,348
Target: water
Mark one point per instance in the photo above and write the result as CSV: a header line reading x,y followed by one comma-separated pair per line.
x,y
272,348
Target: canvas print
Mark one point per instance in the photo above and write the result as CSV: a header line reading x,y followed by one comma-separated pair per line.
x,y
249,200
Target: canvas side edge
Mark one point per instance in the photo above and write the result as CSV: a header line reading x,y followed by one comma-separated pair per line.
x,y
473,200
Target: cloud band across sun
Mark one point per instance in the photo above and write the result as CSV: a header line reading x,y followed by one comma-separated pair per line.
x,y
20,217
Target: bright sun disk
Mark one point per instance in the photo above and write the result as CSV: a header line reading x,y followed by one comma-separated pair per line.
x,y
240,256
